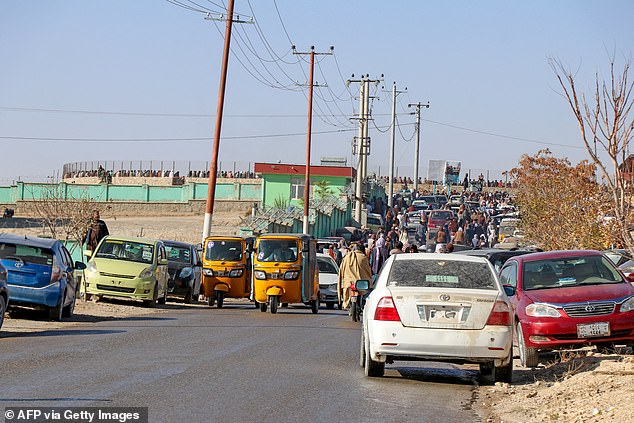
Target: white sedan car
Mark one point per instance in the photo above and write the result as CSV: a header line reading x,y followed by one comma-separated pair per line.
x,y
438,307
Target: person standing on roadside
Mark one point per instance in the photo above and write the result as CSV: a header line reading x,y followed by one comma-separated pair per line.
x,y
97,229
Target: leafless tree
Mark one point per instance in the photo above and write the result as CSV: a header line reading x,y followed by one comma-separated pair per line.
x,y
606,122
64,218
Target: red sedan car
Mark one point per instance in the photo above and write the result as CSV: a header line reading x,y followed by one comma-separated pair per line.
x,y
565,299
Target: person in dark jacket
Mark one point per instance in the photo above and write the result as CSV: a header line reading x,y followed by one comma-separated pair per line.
x,y
97,229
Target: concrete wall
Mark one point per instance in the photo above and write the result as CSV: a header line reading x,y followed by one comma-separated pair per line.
x,y
226,189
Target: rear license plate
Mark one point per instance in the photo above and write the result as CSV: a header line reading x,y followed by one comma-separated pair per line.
x,y
591,330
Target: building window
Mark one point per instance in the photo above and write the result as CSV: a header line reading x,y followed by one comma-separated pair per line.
x,y
297,189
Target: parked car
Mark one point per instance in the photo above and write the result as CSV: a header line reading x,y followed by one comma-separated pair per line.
x,y
438,307
40,273
184,267
4,294
374,222
496,256
438,218
567,299
128,267
328,275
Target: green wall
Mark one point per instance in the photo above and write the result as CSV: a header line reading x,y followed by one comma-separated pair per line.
x,y
279,186
25,191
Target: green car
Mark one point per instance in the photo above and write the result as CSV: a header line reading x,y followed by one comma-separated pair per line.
x,y
128,267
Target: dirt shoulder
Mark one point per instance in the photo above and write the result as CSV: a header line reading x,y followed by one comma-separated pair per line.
x,y
581,386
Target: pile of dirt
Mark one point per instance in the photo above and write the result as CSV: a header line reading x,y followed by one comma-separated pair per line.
x,y
578,387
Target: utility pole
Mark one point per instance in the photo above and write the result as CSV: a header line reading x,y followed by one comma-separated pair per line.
x,y
363,140
211,184
417,150
310,125
390,196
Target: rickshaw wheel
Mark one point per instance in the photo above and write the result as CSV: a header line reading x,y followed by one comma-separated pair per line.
x,y
314,306
220,297
353,312
211,300
262,307
274,302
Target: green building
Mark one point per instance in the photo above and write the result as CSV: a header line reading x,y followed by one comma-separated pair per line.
x,y
283,184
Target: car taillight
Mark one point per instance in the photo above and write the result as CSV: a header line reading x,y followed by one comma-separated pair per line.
x,y
500,315
386,310
56,272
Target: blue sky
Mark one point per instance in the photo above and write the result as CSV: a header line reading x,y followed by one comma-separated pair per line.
x,y
110,74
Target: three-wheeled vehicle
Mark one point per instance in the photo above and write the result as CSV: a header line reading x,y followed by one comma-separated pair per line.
x,y
227,268
285,271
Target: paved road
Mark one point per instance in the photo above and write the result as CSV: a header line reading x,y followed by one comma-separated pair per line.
x,y
237,364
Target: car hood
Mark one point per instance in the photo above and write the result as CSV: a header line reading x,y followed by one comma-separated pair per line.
x,y
119,267
580,294
327,278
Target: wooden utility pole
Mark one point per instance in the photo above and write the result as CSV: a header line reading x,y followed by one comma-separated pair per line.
x,y
310,128
213,168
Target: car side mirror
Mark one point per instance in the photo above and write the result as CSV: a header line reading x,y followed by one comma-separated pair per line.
x,y
362,284
88,253
509,290
79,265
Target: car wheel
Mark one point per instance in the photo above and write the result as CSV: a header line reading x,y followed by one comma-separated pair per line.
x,y
504,373
220,298
154,300
487,373
608,348
163,299
330,306
211,300
362,350
69,310
314,306
188,297
55,313
3,308
353,312
529,357
262,307
372,368
274,301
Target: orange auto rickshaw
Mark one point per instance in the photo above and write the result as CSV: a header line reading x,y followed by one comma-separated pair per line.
x,y
285,271
227,268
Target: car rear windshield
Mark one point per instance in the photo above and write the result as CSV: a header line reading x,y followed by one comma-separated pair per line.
x,y
441,215
441,274
224,251
26,253
116,249
568,272
178,254
325,266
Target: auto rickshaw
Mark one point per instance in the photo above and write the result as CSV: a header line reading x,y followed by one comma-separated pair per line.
x,y
285,271
227,268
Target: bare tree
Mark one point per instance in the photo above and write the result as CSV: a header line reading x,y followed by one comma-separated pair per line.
x,y
606,122
64,218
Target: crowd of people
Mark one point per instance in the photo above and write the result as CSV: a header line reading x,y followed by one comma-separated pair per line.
x,y
471,225
105,176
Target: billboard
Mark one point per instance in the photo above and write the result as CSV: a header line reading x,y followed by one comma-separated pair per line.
x,y
444,171
452,173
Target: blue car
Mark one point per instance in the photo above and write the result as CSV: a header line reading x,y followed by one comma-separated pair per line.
x,y
4,293
40,273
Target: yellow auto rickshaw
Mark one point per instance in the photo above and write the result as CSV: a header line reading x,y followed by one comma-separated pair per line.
x,y
285,271
227,268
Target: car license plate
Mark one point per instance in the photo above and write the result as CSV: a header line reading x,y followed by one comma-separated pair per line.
x,y
591,330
